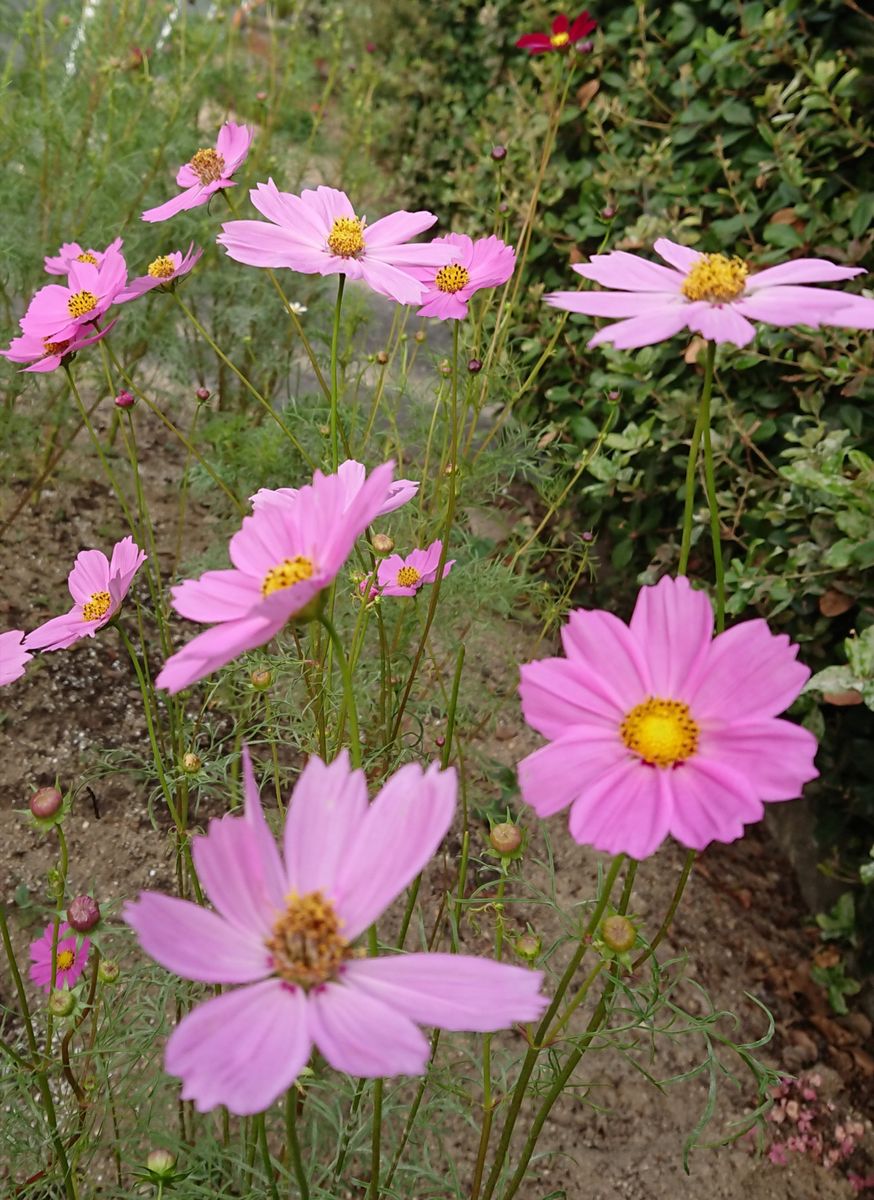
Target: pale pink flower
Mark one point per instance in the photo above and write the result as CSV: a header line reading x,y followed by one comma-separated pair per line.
x,y
208,171
98,587
658,728
709,294
353,475
13,656
160,273
70,959
285,927
47,355
318,233
858,313
58,313
284,556
70,252
398,576
485,263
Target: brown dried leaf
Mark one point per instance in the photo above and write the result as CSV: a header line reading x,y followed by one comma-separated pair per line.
x,y
587,93
832,603
843,699
693,351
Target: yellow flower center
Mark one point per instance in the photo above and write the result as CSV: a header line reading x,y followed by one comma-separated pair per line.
x,y
66,958
86,257
55,347
97,607
286,574
452,278
306,945
559,39
208,166
408,577
161,268
81,303
716,278
346,237
662,732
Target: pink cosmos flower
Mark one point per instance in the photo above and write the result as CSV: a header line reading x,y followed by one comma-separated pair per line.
x,y
160,272
98,587
57,313
285,927
397,576
564,34
858,313
70,960
484,263
710,294
658,728
353,475
208,171
284,556
318,233
13,656
71,252
44,354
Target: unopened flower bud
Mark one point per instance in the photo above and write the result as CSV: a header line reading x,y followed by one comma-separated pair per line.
x,y
503,207
382,358
474,366
370,47
587,535
108,970
46,803
445,369
124,400
585,47
499,153
420,335
613,396
528,946
83,913
202,394
61,1002
618,934
608,212
191,762
261,680
260,97
440,742
382,544
161,1162
506,838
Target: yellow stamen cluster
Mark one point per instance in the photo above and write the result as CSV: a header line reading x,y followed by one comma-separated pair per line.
x,y
306,945
86,257
559,39
661,732
452,278
716,278
161,267
286,574
408,577
81,303
55,347
208,166
346,238
98,606
66,958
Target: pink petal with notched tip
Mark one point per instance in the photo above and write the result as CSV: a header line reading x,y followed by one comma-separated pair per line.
x,y
554,776
673,625
558,692
602,644
397,227
215,648
643,331
13,656
627,810
328,204
748,673
451,991
242,1049
302,220
445,306
257,244
230,868
90,574
195,943
721,323
326,811
858,314
628,272
777,754
683,258
190,198
791,305
363,1036
233,144
711,802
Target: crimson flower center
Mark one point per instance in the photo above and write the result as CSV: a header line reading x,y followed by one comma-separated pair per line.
x,y
661,732
208,166
452,278
408,577
346,238
98,606
716,278
80,303
287,573
306,945
161,268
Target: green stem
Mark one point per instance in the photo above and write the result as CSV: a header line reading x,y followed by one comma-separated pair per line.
x,y
375,1141
348,691
672,909
692,461
107,469
335,387
715,535
293,1143
265,1155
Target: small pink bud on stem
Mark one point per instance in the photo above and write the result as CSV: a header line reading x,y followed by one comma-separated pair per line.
x,y
83,913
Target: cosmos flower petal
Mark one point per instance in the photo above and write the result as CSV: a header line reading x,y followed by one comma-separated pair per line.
x,y
673,625
233,144
90,574
630,273
683,258
242,1049
399,834
857,314
793,305
363,1036
224,595
13,656
558,692
601,644
397,227
553,777
390,281
192,197
273,871
777,754
721,323
801,270
626,810
215,648
748,673
451,991
325,817
258,244
616,304
711,802
537,43
195,943
643,331
235,877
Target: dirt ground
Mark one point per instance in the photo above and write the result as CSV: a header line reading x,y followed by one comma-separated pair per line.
x,y
742,924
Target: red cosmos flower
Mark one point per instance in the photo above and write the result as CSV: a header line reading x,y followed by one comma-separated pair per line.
x,y
564,34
